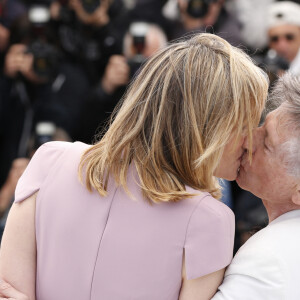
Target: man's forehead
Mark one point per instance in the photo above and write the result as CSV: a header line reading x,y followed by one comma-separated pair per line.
x,y
285,28
274,125
273,114
277,125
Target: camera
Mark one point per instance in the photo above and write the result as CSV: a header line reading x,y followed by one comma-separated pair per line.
x,y
199,8
45,62
44,132
138,31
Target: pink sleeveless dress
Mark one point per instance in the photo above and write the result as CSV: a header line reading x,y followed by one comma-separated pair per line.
x,y
117,248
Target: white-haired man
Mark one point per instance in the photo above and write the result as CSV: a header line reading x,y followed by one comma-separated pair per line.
x,y
283,24
267,266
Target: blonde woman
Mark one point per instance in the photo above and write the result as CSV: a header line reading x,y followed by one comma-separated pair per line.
x,y
146,223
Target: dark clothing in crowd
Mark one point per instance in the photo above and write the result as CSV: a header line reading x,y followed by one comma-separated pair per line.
x,y
23,105
226,26
86,50
89,46
96,112
10,10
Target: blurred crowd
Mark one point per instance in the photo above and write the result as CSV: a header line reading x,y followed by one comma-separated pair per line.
x,y
65,65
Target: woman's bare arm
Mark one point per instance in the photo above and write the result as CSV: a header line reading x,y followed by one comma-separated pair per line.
x,y
202,288
18,248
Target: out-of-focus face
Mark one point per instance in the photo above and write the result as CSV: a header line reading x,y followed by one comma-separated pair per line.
x,y
231,159
182,4
266,176
285,40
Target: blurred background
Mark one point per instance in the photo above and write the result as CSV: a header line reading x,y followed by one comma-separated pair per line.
x,y
65,64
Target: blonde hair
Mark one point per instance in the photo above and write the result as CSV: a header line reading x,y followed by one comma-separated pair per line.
x,y
176,118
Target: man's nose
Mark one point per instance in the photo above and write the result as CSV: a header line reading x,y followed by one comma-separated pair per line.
x,y
282,47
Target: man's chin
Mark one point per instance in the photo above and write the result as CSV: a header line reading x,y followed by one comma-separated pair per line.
x,y
248,183
241,183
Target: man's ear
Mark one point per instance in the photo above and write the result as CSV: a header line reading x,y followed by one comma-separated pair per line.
x,y
296,195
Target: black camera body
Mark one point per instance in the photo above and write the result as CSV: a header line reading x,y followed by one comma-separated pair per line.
x,y
45,62
138,31
199,8
45,54
135,64
44,132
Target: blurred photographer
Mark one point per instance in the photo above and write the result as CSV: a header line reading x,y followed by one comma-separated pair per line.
x,y
32,54
26,85
140,42
284,32
207,16
89,32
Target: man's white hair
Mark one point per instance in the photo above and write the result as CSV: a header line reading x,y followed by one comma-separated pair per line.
x,y
287,92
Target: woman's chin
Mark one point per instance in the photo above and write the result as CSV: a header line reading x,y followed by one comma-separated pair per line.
x,y
230,177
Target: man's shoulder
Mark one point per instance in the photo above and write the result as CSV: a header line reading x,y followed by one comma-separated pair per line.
x,y
275,244
267,265
256,272
257,248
